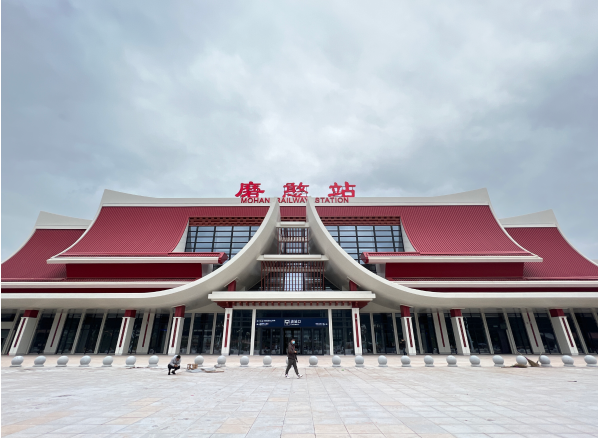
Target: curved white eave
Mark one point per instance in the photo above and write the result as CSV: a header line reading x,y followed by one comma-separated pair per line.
x,y
540,219
243,267
299,296
471,197
451,259
52,221
341,266
64,260
512,284
90,284
114,198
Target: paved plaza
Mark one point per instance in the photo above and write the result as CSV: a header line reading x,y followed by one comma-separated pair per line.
x,y
439,402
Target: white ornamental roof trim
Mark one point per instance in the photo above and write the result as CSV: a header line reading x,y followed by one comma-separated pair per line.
x,y
545,218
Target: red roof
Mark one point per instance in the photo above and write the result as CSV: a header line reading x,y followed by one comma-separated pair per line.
x,y
440,230
134,231
293,212
561,260
30,262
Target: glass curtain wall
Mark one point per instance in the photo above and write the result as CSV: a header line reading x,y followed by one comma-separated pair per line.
x,y
201,338
90,330
520,337
218,333
497,328
42,332
476,334
7,316
69,331
240,339
428,332
110,333
342,332
366,333
136,331
547,333
589,330
219,239
367,238
159,333
384,333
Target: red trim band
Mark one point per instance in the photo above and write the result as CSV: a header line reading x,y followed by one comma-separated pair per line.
x,y
123,333
356,330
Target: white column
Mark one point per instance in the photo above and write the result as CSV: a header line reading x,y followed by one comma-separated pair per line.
x,y
78,332
374,349
394,326
125,333
213,333
56,331
416,328
176,333
407,326
442,339
228,321
562,331
253,316
100,333
24,333
582,341
533,334
330,331
357,331
490,346
145,333
460,333
510,333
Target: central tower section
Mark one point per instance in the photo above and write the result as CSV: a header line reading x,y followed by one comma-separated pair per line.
x,y
293,268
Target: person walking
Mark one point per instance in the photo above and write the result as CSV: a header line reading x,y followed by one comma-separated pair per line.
x,y
174,364
292,359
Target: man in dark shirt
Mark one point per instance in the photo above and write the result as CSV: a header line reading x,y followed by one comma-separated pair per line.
x,y
292,359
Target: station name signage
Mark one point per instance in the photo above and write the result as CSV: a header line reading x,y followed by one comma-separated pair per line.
x,y
291,322
295,194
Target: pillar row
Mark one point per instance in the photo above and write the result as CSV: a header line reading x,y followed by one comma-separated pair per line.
x,y
407,326
125,333
176,333
55,331
460,332
24,333
562,331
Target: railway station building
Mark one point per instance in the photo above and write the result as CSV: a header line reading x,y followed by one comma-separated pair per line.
x,y
341,274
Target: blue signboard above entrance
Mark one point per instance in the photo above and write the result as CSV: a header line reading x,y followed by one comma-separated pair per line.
x,y
291,322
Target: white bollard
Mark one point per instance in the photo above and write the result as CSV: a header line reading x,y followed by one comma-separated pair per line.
x,y
568,361
429,361
545,361
39,361
475,361
498,361
336,361
313,361
153,362
85,361
359,361
130,362
244,361
17,361
62,361
267,361
107,362
451,361
590,361
406,361
382,361
199,361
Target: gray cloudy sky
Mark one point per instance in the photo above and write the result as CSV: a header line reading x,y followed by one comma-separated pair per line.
x,y
188,99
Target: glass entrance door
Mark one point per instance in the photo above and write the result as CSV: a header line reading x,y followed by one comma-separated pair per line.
x,y
292,333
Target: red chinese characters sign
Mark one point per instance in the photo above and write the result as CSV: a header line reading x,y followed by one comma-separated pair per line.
x,y
293,193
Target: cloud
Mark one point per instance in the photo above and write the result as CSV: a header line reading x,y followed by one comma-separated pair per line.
x,y
185,99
